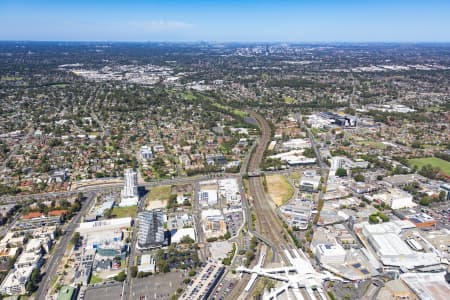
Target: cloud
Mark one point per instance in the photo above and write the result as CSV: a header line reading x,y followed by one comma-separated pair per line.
x,y
160,25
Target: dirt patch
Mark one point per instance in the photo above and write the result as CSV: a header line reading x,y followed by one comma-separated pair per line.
x,y
279,189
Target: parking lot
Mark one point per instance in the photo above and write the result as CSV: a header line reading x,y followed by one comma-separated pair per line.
x,y
441,213
223,289
104,292
161,286
234,222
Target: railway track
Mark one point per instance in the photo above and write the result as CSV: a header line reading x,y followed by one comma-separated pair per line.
x,y
269,225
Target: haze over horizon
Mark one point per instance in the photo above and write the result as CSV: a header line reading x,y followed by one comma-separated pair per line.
x,y
226,21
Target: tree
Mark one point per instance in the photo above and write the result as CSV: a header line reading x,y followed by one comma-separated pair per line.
x,y
35,276
134,271
359,177
309,152
121,276
373,219
163,266
186,240
425,201
442,196
75,238
429,171
341,172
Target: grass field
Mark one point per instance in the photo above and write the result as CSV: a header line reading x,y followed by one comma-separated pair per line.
x,y
295,175
377,145
289,100
123,212
434,161
161,193
279,189
10,78
95,279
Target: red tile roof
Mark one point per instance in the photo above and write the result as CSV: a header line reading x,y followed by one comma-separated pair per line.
x,y
57,212
32,215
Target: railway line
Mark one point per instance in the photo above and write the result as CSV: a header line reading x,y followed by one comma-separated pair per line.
x,y
268,223
269,228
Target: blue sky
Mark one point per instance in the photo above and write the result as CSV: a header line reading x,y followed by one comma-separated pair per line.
x,y
216,20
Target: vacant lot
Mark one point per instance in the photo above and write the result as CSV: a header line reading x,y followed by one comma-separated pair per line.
x,y
373,144
122,212
279,189
159,193
434,161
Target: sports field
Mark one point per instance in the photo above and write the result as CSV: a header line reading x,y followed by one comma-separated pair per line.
x,y
434,161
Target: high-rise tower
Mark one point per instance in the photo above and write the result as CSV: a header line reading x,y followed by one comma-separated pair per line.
x,y
130,194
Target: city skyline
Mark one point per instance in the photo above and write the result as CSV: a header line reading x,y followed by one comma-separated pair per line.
x,y
230,21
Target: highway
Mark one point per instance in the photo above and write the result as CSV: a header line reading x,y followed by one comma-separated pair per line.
x,y
55,258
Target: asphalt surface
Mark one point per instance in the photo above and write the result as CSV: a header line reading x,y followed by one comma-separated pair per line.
x,y
127,285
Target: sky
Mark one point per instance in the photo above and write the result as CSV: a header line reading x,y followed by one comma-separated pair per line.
x,y
226,21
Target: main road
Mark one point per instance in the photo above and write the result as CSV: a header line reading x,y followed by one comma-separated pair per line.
x,y
55,258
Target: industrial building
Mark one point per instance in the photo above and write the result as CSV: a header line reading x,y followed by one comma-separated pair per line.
x,y
229,190
330,254
394,198
147,264
213,223
178,234
392,250
310,183
427,285
208,194
295,144
67,293
421,220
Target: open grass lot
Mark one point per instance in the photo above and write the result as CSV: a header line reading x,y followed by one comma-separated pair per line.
x,y
123,212
279,189
434,161
289,100
160,193
377,145
10,78
95,279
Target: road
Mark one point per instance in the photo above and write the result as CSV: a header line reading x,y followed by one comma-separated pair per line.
x,y
126,294
55,259
198,225
103,185
322,165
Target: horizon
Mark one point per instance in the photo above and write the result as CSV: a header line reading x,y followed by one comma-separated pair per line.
x,y
285,21
237,42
